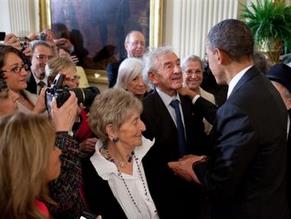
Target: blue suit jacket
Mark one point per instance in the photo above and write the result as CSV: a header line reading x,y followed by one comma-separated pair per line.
x,y
245,175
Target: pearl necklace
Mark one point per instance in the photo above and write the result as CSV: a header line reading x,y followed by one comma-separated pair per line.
x,y
108,157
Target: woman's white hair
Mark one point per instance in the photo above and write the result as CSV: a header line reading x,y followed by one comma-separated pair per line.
x,y
128,70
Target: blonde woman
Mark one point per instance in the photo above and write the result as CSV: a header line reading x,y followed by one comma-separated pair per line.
x,y
28,161
65,66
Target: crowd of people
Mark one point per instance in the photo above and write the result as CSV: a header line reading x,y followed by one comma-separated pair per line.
x,y
156,144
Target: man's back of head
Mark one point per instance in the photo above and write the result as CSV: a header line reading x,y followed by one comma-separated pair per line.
x,y
233,37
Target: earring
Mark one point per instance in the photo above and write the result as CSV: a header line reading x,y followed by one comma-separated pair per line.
x,y
115,140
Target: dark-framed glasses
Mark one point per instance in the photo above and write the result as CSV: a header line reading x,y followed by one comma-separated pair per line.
x,y
17,69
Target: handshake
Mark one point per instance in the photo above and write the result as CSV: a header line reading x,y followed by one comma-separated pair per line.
x,y
184,166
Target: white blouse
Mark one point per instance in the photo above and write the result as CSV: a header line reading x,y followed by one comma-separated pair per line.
x,y
108,171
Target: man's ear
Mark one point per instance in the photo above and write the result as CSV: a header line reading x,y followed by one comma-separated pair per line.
x,y
221,56
153,77
126,46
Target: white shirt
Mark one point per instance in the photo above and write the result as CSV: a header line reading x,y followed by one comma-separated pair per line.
x,y
37,81
236,79
167,100
108,171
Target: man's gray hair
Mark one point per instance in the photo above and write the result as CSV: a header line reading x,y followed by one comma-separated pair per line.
x,y
151,61
233,37
191,58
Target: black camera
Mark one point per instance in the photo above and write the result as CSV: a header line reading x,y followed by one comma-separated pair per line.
x,y
61,93
42,36
24,43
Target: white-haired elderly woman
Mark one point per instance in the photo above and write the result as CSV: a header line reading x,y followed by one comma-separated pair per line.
x,y
115,184
130,77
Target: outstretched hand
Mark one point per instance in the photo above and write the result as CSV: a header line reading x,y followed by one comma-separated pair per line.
x,y
185,91
183,167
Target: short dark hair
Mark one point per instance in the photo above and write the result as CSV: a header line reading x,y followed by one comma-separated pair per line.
x,y
5,49
233,37
36,43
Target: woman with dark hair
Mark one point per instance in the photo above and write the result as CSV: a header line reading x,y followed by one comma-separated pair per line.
x,y
15,71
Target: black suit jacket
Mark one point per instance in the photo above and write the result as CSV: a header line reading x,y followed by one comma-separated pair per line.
x,y
245,175
31,85
168,190
99,197
112,72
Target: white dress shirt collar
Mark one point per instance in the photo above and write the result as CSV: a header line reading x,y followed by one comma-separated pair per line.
x,y
236,79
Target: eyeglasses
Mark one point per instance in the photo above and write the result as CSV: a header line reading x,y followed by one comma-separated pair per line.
x,y
17,69
75,78
43,57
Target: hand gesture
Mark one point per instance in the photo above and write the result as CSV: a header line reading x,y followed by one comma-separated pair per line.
x,y
40,102
88,145
65,116
12,40
183,167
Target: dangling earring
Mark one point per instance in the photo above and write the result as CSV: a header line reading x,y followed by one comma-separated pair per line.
x,y
115,140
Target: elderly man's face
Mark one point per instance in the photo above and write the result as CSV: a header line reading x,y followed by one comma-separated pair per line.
x,y
168,76
193,74
135,46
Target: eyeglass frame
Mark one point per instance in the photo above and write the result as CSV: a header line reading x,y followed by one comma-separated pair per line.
x,y
43,57
17,69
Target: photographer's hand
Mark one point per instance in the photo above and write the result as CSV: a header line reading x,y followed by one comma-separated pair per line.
x,y
40,102
64,117
12,40
27,51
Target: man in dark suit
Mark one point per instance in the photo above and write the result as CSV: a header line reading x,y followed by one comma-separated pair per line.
x,y
135,46
164,123
41,53
245,173
280,76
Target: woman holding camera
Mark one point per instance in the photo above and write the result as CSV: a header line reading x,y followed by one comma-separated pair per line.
x,y
15,72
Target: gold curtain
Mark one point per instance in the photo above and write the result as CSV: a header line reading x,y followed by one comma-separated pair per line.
x,y
45,15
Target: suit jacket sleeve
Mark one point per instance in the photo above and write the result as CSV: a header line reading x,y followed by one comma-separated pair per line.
x,y
206,109
231,155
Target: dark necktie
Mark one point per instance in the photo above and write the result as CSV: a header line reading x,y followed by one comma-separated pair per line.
x,y
41,84
180,127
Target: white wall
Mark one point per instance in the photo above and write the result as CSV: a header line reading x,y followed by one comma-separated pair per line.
x,y
5,16
19,16
187,22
